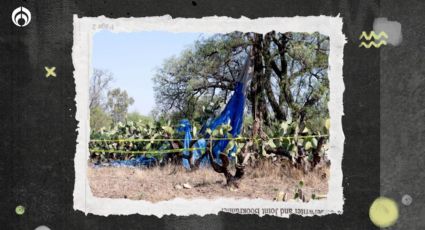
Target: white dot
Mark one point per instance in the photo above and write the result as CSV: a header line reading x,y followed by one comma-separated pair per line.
x,y
406,200
42,227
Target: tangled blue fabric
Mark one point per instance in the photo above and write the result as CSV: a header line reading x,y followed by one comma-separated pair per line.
x,y
201,145
233,114
137,161
186,127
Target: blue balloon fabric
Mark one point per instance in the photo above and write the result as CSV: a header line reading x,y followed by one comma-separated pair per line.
x,y
186,127
136,162
233,114
201,145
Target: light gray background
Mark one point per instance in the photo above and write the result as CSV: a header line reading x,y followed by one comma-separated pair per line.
x,y
403,113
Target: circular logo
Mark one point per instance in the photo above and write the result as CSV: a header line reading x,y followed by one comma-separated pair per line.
x,y
21,16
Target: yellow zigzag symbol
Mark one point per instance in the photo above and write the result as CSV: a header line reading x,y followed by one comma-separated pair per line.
x,y
372,43
374,35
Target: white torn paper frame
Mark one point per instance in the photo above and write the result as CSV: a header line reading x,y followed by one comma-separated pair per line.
x,y
84,30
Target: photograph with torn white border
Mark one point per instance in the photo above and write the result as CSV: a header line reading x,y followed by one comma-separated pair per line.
x,y
175,117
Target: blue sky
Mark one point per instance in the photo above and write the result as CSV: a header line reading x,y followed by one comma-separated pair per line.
x,y
133,59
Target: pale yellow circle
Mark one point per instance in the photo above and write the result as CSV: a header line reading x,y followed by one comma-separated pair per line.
x,y
383,212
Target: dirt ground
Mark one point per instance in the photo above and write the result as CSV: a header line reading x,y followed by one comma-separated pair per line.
x,y
267,181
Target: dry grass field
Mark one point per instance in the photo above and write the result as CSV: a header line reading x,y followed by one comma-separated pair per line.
x,y
266,181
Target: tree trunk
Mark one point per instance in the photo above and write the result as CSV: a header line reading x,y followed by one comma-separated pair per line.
x,y
268,61
257,88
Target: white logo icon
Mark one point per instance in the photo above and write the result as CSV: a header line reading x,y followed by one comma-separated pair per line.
x,y
21,16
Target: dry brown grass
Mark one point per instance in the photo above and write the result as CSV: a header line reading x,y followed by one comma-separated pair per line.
x,y
264,181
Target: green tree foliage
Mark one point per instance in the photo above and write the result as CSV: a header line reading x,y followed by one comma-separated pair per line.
x,y
123,131
290,78
107,107
99,119
287,96
137,117
99,85
118,103
200,80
